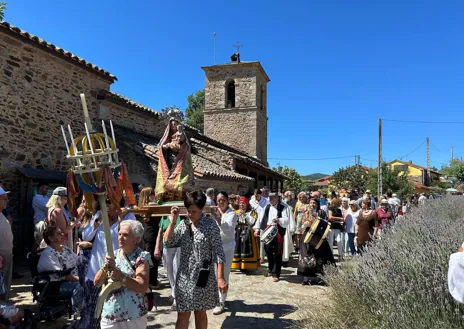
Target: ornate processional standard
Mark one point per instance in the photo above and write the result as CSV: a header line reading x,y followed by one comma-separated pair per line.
x,y
96,170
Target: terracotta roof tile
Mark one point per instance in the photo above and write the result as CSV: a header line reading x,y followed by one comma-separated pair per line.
x,y
21,34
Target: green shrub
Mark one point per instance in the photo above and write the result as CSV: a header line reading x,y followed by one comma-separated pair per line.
x,y
401,281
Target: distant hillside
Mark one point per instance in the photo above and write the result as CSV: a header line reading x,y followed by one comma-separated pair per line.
x,y
314,176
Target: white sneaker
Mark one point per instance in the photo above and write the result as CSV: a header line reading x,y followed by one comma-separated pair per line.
x,y
218,309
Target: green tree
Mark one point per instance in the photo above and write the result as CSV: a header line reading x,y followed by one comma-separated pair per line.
x,y
195,108
454,169
294,180
3,5
391,179
349,178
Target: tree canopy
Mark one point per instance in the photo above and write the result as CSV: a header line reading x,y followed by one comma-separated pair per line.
x,y
294,181
350,177
194,110
3,5
454,169
391,179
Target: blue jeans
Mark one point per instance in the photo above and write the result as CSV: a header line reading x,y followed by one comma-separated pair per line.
x,y
351,242
75,291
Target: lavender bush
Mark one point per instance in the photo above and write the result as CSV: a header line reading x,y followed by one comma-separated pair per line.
x,y
401,282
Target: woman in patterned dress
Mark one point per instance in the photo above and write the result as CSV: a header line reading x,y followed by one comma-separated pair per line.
x,y
200,245
126,307
58,257
301,208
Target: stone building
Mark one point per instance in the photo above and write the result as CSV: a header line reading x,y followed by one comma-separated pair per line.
x,y
236,94
39,91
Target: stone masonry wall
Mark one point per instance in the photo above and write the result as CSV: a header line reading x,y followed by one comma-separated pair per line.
x,y
38,93
245,126
245,86
141,170
143,122
217,155
236,128
261,136
218,185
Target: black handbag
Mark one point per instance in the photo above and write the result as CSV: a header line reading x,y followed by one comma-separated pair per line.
x,y
203,274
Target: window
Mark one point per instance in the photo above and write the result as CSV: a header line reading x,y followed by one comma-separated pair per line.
x,y
262,98
230,94
401,168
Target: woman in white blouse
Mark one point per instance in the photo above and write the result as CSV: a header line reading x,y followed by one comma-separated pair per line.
x,y
351,218
227,220
58,257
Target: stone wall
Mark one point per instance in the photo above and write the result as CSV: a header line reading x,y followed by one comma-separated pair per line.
x,y
141,169
144,122
233,127
245,86
38,93
215,154
219,185
243,127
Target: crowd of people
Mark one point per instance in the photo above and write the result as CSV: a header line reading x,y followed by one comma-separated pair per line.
x,y
220,233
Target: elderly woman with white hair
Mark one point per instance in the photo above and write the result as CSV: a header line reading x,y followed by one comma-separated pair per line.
x,y
126,307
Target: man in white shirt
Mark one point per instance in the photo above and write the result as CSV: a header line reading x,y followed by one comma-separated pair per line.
x,y
39,205
6,245
258,203
94,231
274,214
422,199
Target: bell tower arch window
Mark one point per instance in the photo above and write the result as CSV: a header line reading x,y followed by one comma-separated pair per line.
x,y
230,94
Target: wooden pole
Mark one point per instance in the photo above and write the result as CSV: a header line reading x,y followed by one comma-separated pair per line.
x,y
428,180
112,285
379,160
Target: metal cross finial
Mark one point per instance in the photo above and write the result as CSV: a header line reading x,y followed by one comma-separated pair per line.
x,y
238,46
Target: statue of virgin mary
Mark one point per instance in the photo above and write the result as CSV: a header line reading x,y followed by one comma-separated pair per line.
x,y
175,170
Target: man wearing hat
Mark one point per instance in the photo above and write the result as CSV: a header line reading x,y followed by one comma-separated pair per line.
x,y
274,214
6,246
368,196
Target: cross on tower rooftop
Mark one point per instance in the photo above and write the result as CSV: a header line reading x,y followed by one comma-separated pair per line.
x,y
238,46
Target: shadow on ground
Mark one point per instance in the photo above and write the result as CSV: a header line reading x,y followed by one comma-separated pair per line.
x,y
264,315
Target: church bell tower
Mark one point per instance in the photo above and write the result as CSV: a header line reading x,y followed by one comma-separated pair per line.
x,y
236,106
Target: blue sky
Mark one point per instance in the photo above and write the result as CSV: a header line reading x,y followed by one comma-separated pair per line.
x,y
335,66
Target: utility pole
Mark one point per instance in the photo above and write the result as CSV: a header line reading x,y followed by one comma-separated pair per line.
x,y
379,162
427,181
452,153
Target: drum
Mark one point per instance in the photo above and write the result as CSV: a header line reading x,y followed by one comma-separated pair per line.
x,y
269,234
317,233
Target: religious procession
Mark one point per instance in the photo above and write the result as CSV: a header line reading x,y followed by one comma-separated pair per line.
x,y
224,212
98,245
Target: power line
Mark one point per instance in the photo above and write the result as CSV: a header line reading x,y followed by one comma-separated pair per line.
x,y
436,148
404,156
427,122
368,160
319,159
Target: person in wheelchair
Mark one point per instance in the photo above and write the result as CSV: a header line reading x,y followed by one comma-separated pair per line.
x,y
57,257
